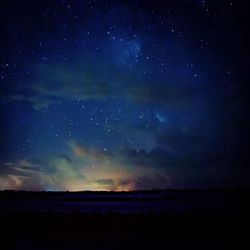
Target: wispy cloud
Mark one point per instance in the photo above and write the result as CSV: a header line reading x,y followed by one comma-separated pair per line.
x,y
83,169
54,82
59,82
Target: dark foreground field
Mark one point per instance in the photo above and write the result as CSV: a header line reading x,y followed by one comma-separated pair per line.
x,y
138,220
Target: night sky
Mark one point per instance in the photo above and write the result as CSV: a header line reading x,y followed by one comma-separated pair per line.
x,y
124,95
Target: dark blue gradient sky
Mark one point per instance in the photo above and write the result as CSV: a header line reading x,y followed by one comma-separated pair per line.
x,y
122,95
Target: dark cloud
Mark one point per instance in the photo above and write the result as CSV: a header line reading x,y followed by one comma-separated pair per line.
x,y
31,168
105,182
20,168
179,141
52,83
59,82
155,181
176,95
125,182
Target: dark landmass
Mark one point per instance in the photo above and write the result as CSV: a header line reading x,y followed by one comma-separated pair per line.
x,y
172,219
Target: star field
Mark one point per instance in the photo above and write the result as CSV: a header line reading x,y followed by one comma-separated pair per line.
x,y
122,95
